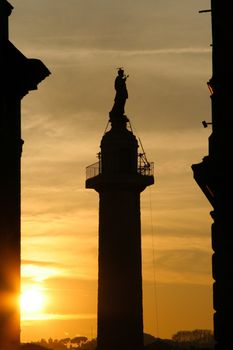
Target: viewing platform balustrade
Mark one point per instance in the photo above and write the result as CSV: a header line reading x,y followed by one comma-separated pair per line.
x,y
145,169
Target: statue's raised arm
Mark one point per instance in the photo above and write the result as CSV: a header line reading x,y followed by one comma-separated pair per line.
x,y
121,93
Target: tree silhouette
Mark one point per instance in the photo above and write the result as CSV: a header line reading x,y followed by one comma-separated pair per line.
x,y
78,340
200,337
65,341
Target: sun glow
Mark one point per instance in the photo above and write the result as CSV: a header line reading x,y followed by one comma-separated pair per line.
x,y
32,301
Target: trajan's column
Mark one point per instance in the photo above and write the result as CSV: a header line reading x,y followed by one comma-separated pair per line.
x,y
119,177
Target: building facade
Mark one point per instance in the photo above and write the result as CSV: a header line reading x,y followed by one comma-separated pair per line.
x,y
18,75
214,173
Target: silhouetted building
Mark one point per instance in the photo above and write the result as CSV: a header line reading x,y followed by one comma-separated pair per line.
x,y
18,75
214,173
119,177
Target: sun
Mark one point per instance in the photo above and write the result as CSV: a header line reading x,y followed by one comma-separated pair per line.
x,y
32,300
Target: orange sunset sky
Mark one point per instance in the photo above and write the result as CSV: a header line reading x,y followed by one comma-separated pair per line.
x,y
164,46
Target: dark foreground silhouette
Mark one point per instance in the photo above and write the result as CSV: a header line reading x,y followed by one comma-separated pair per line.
x,y
182,340
18,76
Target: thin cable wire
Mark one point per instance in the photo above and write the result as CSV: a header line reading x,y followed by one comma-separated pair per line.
x,y
130,125
153,250
106,128
136,134
155,294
